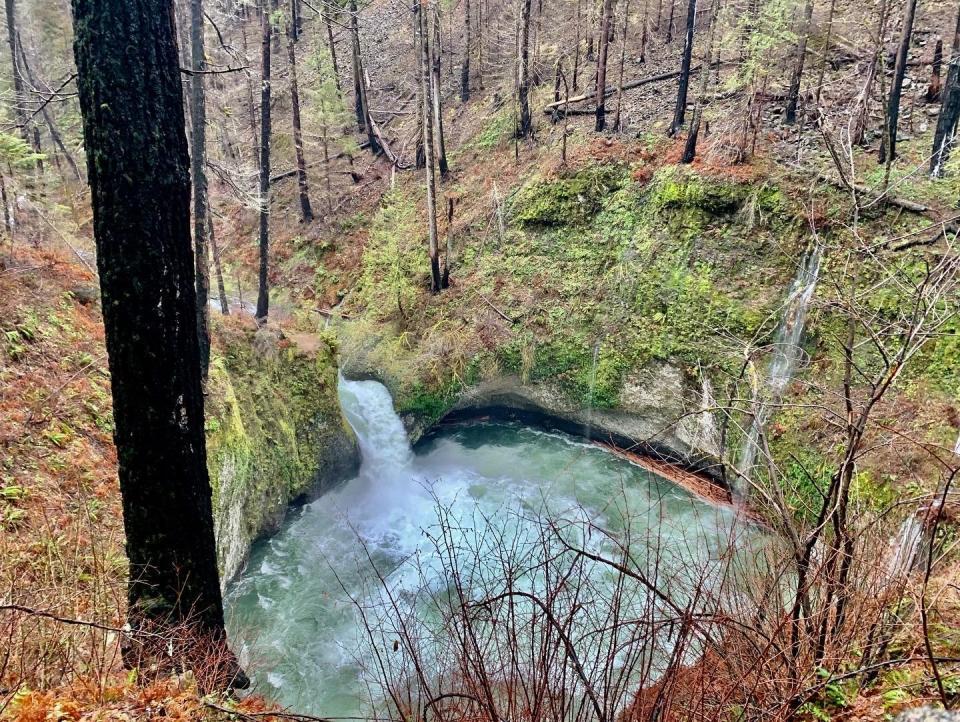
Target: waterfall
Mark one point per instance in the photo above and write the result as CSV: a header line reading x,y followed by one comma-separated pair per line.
x,y
380,432
786,353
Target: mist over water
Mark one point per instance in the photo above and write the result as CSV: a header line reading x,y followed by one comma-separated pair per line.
x,y
296,614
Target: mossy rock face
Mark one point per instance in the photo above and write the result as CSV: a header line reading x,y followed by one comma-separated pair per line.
x,y
275,434
568,200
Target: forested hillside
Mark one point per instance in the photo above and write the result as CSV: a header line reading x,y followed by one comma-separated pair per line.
x,y
714,241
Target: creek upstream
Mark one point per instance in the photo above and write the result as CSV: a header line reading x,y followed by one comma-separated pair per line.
x,y
357,580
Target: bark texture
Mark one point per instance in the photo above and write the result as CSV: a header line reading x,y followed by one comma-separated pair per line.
x,y
139,173
198,135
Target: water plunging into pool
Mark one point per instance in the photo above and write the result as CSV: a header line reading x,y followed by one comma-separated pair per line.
x,y
338,599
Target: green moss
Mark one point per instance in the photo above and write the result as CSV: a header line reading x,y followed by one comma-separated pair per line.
x,y
568,200
272,416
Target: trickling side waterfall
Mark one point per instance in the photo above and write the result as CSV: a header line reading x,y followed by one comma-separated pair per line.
x,y
786,354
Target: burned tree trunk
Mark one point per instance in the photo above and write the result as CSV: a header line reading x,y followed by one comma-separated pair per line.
x,y
793,94
680,110
888,145
523,72
198,162
306,212
603,51
359,85
139,171
435,52
263,292
332,47
945,133
218,268
427,116
19,112
690,148
933,89
465,70
618,118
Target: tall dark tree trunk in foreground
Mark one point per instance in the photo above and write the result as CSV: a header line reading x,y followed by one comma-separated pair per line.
x,y
793,94
680,111
465,70
523,72
198,162
263,294
888,145
306,212
945,133
603,52
139,171
426,113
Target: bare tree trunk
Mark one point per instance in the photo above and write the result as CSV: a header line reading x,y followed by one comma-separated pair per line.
x,y
793,95
448,252
523,72
306,212
680,111
198,135
426,112
603,51
332,47
576,48
933,89
690,149
251,105
218,268
861,115
944,135
359,85
623,56
435,51
888,145
420,158
465,70
826,53
673,7
19,112
645,30
263,293
47,118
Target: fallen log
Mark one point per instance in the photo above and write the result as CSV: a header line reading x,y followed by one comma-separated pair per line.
x,y
611,89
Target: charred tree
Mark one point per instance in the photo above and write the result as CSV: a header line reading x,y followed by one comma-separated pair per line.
x,y
523,72
618,118
888,145
332,47
361,107
465,70
933,89
263,287
946,130
426,113
198,172
139,173
793,94
690,148
19,112
435,53
306,212
603,52
680,111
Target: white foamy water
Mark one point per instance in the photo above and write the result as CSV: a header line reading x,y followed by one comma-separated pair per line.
x,y
367,551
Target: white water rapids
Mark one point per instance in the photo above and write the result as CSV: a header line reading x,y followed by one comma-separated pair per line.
x,y
361,581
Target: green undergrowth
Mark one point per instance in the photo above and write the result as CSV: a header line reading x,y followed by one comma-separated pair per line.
x,y
599,275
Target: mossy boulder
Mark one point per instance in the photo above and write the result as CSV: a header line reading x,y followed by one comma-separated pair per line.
x,y
275,434
568,199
